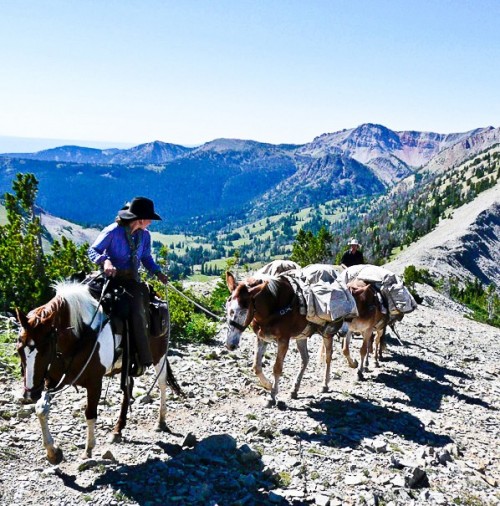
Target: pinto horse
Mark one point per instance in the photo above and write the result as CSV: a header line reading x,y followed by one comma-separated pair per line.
x,y
371,323
69,341
270,306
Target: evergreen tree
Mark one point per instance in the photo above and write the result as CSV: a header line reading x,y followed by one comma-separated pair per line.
x,y
26,273
23,279
310,248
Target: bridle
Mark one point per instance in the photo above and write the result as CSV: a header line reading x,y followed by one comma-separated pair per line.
x,y
250,316
52,337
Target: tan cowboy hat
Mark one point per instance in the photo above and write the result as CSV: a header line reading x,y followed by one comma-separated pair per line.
x,y
353,242
141,208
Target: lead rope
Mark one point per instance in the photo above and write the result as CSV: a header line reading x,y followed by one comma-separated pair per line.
x,y
213,315
398,337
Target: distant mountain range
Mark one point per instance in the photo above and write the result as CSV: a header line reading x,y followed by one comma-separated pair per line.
x,y
88,186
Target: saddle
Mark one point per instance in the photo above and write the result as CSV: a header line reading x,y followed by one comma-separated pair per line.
x,y
115,304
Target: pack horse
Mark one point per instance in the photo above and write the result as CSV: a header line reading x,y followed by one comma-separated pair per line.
x,y
70,341
270,306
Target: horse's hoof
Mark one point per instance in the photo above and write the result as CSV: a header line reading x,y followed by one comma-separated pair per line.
x,y
360,376
86,455
325,390
55,457
162,427
281,405
294,395
355,364
116,437
270,403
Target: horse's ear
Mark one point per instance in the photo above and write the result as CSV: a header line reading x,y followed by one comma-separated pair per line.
x,y
21,318
230,281
256,289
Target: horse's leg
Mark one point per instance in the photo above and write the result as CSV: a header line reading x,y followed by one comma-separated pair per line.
x,y
379,341
327,352
162,385
369,349
345,350
42,409
304,358
366,335
93,395
260,349
116,435
278,368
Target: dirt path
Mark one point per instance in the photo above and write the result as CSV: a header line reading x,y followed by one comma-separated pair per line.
x,y
422,429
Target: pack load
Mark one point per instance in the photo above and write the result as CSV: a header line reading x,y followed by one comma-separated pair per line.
x,y
325,298
398,298
276,267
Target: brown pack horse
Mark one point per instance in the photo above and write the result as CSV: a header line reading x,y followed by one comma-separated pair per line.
x,y
269,305
371,323
69,341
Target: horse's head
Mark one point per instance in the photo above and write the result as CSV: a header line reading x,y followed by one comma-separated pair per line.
x,y
36,349
240,307
49,334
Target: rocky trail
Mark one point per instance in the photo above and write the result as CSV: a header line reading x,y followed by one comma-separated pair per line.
x,y
423,428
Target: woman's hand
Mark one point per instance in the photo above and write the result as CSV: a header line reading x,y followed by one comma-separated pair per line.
x,y
162,277
108,268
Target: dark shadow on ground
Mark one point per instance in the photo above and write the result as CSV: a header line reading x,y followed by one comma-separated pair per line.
x,y
348,422
425,393
214,472
432,369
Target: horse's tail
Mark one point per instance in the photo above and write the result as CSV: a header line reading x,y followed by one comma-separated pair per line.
x,y
172,382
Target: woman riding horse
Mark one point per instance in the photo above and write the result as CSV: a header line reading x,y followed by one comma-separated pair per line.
x,y
120,249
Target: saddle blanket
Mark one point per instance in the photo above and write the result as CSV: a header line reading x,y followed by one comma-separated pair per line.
x,y
391,286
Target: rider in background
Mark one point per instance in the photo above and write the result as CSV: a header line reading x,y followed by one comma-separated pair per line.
x,y
119,250
353,255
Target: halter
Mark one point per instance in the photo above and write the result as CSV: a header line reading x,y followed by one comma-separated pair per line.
x,y
52,337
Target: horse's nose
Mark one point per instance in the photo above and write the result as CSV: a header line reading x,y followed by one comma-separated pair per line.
x,y
231,346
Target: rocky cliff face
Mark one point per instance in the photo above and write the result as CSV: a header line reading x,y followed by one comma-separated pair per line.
x,y
465,246
392,155
463,149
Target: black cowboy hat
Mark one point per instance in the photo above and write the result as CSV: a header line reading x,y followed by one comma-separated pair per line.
x,y
141,208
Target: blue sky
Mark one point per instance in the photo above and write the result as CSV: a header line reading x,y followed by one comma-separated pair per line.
x,y
120,72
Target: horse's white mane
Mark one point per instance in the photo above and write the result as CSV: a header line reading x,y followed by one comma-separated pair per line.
x,y
82,306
